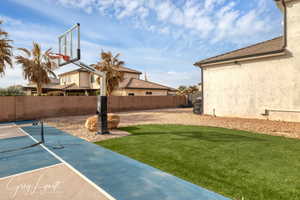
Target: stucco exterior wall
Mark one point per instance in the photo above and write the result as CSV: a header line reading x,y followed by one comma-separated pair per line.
x,y
85,79
69,78
248,88
131,75
140,92
293,26
95,85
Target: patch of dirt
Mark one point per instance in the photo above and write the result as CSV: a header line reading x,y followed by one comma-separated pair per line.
x,y
185,116
75,126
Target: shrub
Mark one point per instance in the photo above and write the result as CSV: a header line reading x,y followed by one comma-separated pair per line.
x,y
11,91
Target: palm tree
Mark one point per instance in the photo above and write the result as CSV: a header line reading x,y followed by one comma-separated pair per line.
x,y
182,90
110,64
36,66
5,51
193,89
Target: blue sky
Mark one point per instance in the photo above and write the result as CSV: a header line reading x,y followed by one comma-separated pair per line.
x,y
161,37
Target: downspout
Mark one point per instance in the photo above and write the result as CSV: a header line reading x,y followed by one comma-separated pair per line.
x,y
284,25
202,92
267,111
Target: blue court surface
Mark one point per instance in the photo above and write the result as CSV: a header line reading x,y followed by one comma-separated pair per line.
x,y
120,176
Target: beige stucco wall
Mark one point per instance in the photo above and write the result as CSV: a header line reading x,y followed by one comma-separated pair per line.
x,y
248,88
69,78
125,92
95,85
85,79
131,75
293,26
81,79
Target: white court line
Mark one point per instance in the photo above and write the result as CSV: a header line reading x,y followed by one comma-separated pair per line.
x,y
72,168
8,126
31,171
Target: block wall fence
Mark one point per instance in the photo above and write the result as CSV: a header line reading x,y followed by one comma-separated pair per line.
x,y
15,108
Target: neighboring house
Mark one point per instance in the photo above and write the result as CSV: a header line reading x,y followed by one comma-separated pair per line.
x,y
259,81
53,86
82,82
138,87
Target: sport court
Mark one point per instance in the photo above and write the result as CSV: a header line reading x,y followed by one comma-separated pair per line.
x,y
67,167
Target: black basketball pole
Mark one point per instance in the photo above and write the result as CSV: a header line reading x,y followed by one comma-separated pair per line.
x,y
102,99
102,115
42,132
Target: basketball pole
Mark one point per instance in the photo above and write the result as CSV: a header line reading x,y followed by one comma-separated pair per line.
x,y
102,99
102,108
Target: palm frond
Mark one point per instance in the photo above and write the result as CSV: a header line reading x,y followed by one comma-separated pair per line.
x,y
5,51
48,51
110,65
37,67
26,51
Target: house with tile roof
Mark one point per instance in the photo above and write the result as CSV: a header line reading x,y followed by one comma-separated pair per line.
x,y
82,82
258,81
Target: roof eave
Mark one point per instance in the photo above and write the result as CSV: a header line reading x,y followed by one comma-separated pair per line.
x,y
136,88
242,58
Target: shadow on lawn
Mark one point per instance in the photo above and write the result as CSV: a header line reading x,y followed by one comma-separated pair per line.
x,y
209,135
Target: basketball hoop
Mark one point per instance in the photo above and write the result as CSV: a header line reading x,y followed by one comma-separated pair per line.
x,y
58,56
69,52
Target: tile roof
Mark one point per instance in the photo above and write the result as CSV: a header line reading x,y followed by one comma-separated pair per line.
x,y
125,69
121,69
286,0
75,70
71,86
259,48
133,83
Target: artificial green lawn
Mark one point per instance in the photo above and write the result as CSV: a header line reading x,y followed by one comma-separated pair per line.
x,y
233,163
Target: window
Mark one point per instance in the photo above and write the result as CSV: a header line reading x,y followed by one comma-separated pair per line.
x,y
130,94
148,93
92,78
63,80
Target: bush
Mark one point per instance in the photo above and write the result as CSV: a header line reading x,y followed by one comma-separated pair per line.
x,y
12,91
55,93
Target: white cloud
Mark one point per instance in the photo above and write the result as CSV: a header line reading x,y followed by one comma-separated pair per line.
x,y
128,10
86,5
164,10
8,20
164,30
210,4
201,16
214,20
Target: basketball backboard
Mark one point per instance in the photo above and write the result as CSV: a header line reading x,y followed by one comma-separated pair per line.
x,y
69,45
